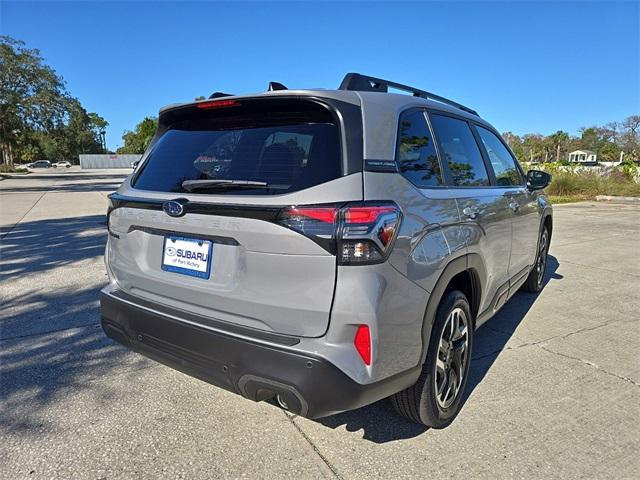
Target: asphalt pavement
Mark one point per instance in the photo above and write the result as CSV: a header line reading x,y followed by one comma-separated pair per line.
x,y
554,390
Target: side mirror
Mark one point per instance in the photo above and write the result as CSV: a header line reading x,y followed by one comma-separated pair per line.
x,y
537,179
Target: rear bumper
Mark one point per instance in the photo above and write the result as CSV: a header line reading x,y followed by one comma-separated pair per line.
x,y
310,385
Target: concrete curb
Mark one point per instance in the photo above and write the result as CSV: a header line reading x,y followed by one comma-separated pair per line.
x,y
13,175
616,199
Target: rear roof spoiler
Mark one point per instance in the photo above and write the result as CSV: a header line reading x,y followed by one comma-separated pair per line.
x,y
220,94
365,83
273,86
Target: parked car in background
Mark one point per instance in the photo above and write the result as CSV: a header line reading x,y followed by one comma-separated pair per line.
x,y
40,164
324,248
63,164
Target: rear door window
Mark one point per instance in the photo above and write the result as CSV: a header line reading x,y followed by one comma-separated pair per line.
x,y
417,157
503,163
287,151
461,152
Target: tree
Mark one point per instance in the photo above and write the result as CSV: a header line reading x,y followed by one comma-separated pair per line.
x,y
138,140
609,152
99,126
594,138
548,147
533,144
80,133
559,141
589,139
629,137
83,131
515,143
30,153
32,95
37,114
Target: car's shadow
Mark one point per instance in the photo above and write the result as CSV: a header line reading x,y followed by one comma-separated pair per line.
x,y
379,421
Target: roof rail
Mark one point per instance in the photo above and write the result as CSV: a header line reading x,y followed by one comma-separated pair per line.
x,y
364,83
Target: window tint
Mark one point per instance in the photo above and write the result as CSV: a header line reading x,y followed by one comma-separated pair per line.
x,y
460,151
417,157
294,154
504,166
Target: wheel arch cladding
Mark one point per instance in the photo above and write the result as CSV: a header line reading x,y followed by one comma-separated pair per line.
x,y
465,273
547,221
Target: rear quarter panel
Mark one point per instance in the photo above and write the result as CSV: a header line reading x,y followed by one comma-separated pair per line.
x,y
430,236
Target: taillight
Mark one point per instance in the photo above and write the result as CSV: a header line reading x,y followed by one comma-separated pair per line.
x,y
358,234
110,205
317,223
368,233
366,214
321,214
362,342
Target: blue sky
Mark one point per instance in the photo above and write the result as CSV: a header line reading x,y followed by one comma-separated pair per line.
x,y
525,66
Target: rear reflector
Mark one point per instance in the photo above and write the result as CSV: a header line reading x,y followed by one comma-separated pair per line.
x,y
218,104
362,342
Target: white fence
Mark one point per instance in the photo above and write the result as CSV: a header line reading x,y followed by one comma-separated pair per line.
x,y
108,161
602,169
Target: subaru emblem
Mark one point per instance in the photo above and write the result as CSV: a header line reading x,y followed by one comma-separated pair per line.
x,y
173,208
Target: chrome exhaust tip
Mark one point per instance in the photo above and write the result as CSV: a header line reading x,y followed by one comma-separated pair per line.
x,y
281,402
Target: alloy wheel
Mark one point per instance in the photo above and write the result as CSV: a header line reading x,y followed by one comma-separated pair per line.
x,y
452,357
541,263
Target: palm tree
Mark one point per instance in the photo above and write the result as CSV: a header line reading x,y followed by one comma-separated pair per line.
x,y
559,141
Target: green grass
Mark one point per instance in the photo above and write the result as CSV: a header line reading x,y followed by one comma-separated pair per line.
x,y
573,187
557,199
7,169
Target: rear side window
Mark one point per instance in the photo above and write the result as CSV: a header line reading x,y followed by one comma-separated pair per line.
x,y
416,156
245,152
460,151
504,165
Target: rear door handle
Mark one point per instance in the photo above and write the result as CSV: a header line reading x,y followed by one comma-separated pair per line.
x,y
513,205
471,212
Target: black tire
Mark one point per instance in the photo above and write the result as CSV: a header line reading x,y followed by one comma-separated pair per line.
x,y
420,402
535,280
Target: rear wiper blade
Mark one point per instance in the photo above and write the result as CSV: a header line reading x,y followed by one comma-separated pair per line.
x,y
191,185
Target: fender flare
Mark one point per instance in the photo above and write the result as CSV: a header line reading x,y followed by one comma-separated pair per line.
x,y
470,262
546,213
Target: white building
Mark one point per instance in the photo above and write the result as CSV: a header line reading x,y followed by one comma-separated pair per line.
x,y
586,157
107,160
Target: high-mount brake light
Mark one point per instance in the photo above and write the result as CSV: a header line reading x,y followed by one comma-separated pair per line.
x,y
359,234
218,104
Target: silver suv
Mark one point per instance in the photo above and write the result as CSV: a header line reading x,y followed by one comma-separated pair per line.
x,y
323,248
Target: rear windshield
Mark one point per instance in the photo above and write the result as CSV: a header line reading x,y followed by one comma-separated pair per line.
x,y
245,151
